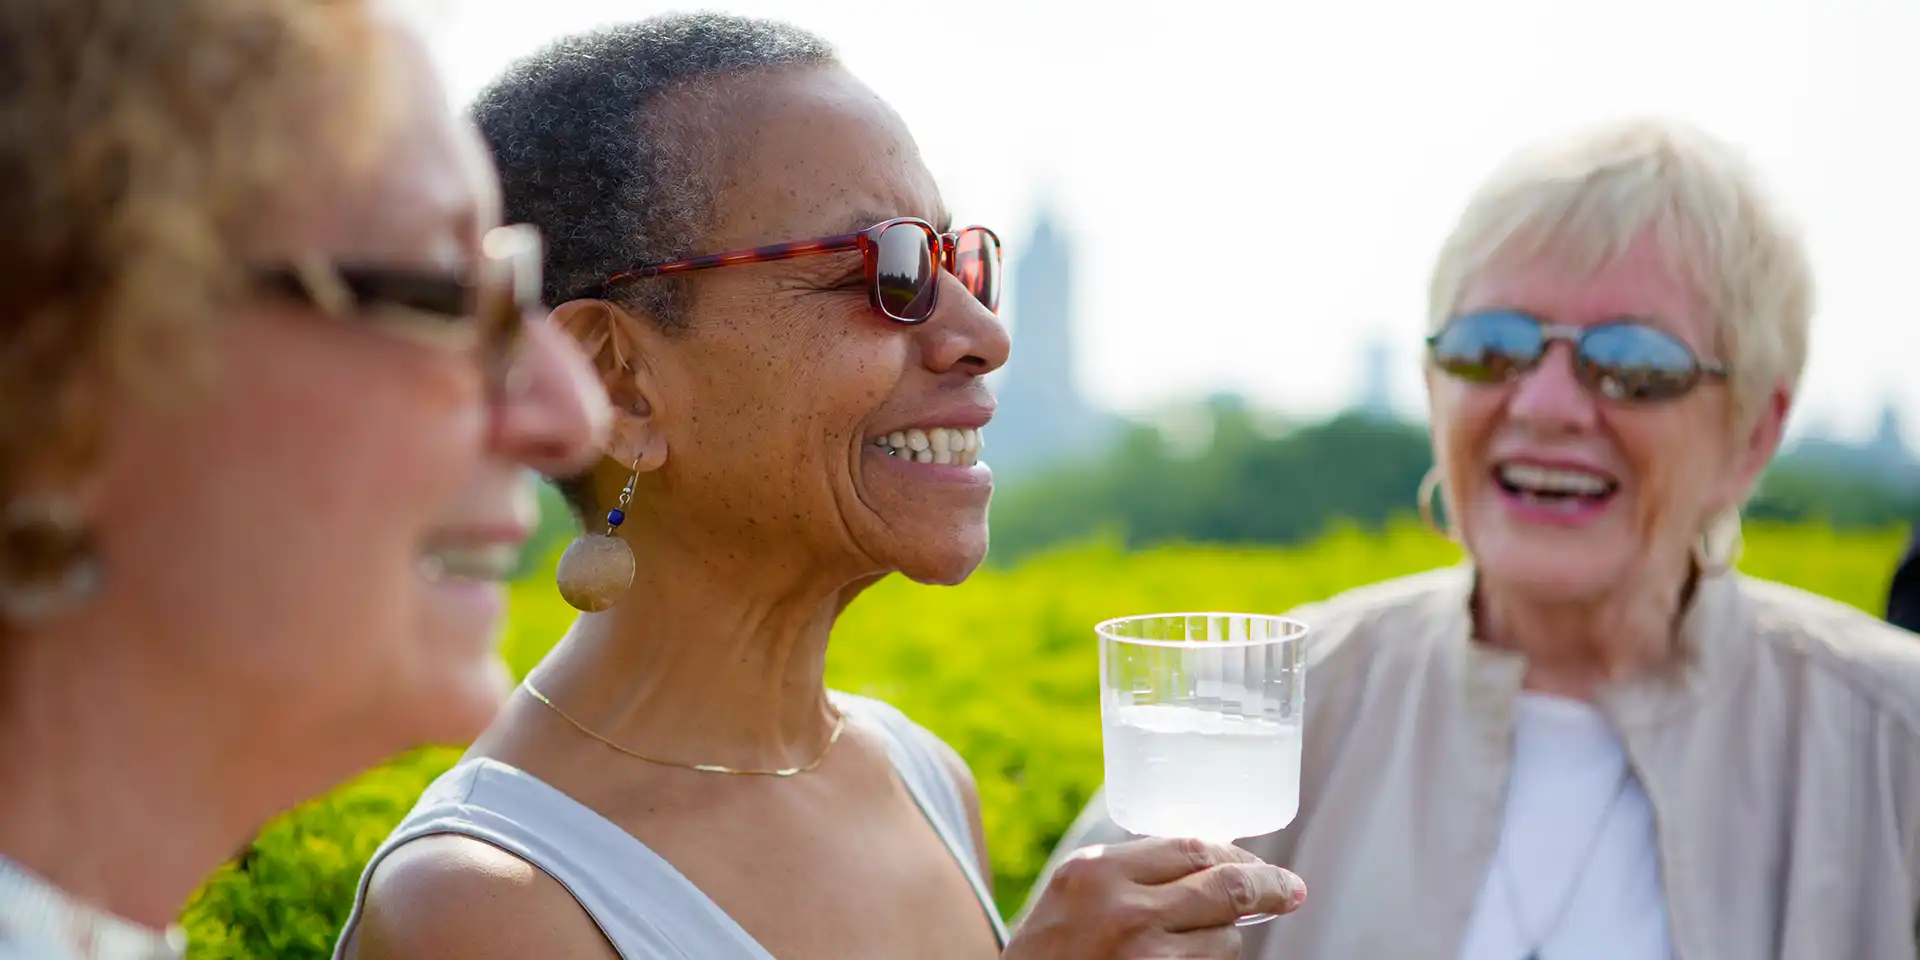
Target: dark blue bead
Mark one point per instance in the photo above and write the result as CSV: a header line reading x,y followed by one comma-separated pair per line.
x,y
616,517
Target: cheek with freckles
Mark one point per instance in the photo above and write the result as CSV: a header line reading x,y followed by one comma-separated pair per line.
x,y
772,400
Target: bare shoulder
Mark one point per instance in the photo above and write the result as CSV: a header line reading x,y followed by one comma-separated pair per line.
x,y
455,896
969,791
956,767
951,763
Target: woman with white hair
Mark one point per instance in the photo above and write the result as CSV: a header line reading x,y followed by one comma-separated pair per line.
x,y
1593,739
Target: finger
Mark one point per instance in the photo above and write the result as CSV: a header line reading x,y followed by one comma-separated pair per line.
x,y
1162,859
1217,896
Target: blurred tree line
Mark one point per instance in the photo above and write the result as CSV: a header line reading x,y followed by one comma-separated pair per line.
x,y
1248,479
1248,482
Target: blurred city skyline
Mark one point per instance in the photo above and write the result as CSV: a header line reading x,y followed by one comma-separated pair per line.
x,y
1326,148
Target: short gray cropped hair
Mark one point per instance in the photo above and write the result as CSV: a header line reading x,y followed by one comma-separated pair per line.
x,y
584,155
1584,198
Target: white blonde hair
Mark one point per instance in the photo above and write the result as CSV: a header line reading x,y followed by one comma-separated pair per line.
x,y
1581,200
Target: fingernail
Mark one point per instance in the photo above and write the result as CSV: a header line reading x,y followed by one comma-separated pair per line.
x,y
1299,895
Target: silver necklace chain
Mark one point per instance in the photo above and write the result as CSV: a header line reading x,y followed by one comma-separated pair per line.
x,y
1586,861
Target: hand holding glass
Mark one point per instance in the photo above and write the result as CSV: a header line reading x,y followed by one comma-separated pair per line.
x,y
1201,717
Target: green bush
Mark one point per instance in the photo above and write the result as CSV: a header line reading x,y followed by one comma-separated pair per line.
x,y
1002,667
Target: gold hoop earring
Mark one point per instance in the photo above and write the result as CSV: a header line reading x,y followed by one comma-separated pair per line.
x,y
597,569
48,563
1429,488
1711,561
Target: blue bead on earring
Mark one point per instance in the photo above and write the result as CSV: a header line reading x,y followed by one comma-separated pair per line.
x,y
597,570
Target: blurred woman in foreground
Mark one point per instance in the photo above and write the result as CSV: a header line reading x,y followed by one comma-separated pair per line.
x,y
1595,740
267,403
793,422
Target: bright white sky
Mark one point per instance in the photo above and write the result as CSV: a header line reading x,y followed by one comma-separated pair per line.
x,y
1317,152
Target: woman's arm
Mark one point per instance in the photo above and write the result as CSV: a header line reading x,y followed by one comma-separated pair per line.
x,y
455,896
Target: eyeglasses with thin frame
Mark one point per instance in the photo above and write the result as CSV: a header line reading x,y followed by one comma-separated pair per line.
x,y
1625,360
484,309
903,259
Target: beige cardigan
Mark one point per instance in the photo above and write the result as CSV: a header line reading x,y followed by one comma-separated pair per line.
x,y
1782,762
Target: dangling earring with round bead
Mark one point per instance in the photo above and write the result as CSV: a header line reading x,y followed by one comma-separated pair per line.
x,y
597,570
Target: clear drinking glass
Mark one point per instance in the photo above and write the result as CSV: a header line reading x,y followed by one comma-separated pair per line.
x,y
1201,718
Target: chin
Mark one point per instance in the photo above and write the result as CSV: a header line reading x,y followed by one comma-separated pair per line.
x,y
457,704
458,677
1559,573
946,567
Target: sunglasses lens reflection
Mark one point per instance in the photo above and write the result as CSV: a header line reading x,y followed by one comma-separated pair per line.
x,y
976,261
904,273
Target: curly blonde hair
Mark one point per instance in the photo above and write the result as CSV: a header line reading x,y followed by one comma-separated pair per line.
x,y
141,145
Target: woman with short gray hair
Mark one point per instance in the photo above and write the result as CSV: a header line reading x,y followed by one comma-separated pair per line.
x,y
796,338
1594,739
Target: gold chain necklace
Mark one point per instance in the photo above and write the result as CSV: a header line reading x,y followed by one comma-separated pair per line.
x,y
839,727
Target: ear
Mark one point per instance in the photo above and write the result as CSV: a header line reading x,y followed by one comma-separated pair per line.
x,y
620,346
1761,442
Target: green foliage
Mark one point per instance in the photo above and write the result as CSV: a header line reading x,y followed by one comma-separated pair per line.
x,y
289,894
1002,667
1802,493
1246,485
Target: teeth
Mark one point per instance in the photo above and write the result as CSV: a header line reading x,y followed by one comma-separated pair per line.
x,y
946,445
491,562
1532,479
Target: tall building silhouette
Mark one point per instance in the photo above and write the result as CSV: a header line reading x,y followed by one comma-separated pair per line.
x,y
1376,378
1883,457
1043,416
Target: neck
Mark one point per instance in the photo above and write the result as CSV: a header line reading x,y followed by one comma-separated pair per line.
x,y
706,662
119,784
1574,647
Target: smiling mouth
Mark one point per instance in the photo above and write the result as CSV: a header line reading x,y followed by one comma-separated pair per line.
x,y
957,446
492,562
1555,487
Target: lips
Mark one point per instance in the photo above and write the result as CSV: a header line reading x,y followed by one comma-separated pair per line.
x,y
1551,482
470,561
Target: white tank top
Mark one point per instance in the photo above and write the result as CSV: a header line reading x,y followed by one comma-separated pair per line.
x,y
645,907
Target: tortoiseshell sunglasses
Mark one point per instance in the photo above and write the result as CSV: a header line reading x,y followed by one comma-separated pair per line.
x,y
903,259
484,309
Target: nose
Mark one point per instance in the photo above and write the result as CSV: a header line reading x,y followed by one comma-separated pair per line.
x,y
1551,397
553,414
963,334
